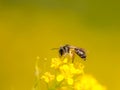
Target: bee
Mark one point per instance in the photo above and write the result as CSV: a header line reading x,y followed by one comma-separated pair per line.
x,y
72,50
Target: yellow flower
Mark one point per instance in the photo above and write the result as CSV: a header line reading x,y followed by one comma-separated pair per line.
x,y
69,76
55,62
65,60
87,82
60,78
48,77
70,81
67,72
74,70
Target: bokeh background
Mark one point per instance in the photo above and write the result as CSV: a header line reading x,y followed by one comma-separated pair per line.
x,y
30,28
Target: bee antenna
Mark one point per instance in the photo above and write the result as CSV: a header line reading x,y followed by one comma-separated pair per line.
x,y
54,48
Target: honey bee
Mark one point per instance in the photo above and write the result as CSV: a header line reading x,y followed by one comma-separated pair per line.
x,y
72,50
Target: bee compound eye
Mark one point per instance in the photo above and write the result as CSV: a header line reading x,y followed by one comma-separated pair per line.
x,y
61,51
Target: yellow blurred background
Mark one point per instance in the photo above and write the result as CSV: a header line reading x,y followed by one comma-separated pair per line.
x,y
30,28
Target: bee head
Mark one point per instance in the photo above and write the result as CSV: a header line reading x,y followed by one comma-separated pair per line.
x,y
63,50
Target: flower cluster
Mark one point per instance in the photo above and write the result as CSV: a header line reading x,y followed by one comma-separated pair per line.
x,y
66,72
69,76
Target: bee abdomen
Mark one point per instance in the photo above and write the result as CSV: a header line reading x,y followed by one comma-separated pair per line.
x,y
80,52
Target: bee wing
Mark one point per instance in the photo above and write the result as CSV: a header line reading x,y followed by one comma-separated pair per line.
x,y
72,47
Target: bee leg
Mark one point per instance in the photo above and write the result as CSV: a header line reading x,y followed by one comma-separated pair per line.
x,y
73,57
72,60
